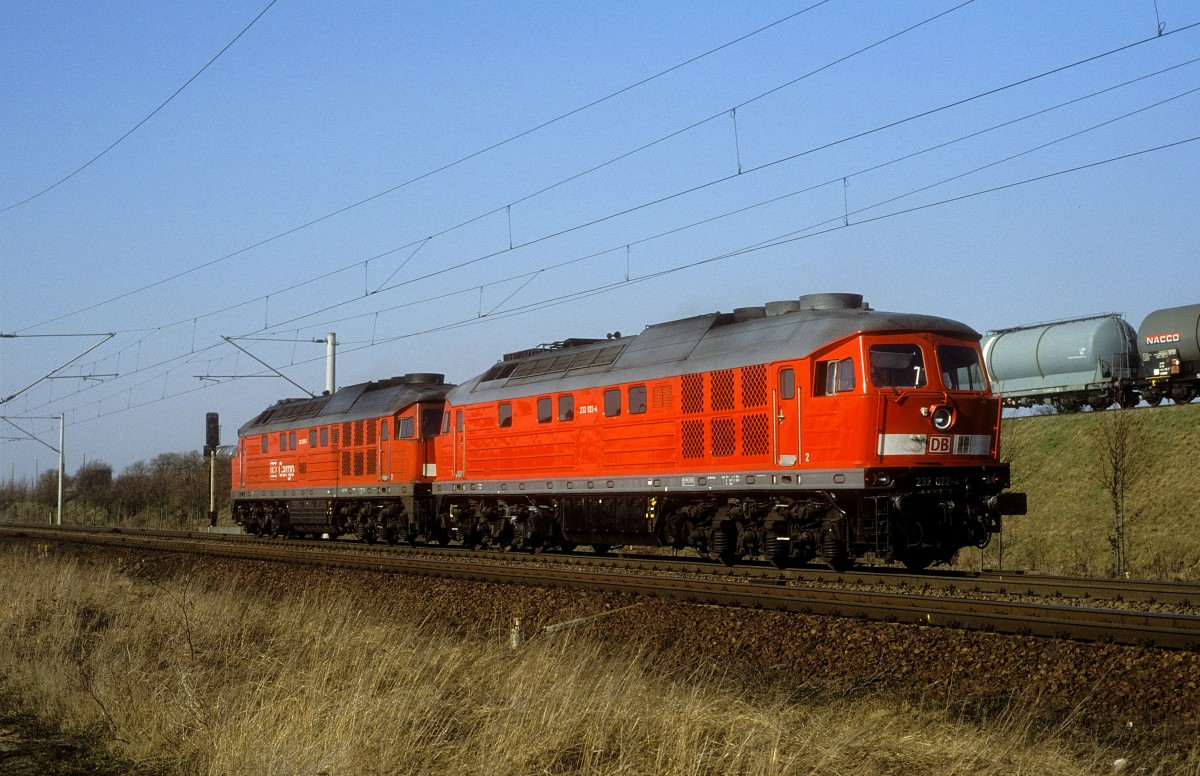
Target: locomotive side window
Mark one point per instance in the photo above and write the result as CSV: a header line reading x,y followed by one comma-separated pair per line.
x,y
312,438
383,430
266,444
292,441
405,428
960,368
897,366
637,399
324,436
566,407
787,384
834,377
612,402
458,421
505,415
545,409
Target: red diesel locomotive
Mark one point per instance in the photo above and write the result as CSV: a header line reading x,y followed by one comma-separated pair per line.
x,y
359,461
814,428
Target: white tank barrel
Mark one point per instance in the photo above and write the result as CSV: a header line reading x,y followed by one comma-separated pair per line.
x,y
1063,356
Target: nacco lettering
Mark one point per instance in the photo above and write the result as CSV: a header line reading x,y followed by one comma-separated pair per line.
x,y
1163,339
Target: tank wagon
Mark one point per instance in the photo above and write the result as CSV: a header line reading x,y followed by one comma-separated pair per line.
x,y
1170,362
811,428
358,461
1097,361
1067,364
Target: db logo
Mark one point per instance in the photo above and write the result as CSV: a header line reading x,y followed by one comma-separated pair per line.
x,y
939,444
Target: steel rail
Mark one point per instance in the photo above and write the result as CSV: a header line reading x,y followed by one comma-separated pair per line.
x,y
990,582
1122,626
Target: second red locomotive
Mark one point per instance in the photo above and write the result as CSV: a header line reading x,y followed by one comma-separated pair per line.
x,y
815,428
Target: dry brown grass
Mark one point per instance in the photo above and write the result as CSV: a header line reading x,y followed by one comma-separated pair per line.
x,y
187,674
1070,522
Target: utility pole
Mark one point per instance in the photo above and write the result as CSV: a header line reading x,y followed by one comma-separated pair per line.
x,y
62,446
61,450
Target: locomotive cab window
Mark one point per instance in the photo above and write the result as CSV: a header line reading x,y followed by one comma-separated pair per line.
x,y
637,399
405,428
834,377
545,409
505,411
383,431
566,407
960,368
612,402
898,366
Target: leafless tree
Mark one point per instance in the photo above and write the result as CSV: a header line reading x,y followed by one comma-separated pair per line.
x,y
1119,462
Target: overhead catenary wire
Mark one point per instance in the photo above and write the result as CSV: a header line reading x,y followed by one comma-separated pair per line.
x,y
408,182
139,125
830,225
498,313
532,275
417,245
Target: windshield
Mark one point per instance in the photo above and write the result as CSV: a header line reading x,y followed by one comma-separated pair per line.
x,y
897,366
960,368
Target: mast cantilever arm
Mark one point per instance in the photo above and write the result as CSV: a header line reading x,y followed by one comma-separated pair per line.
x,y
107,336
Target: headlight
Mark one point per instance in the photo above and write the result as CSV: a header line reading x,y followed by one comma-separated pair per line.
x,y
942,417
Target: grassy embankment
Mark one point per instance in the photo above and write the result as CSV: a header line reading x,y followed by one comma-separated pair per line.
x,y
1054,460
184,673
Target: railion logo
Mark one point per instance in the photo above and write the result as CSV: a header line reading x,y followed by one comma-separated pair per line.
x,y
1163,339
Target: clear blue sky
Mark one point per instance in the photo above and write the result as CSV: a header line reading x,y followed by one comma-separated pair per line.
x,y
364,168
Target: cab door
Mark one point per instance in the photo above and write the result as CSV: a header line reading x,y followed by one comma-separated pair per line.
x,y
460,444
785,400
384,449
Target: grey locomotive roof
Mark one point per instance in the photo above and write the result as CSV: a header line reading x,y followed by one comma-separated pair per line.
x,y
354,402
750,336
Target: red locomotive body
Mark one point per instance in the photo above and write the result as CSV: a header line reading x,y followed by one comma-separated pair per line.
x,y
357,461
811,428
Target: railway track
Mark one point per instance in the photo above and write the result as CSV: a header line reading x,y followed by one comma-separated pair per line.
x,y
989,602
